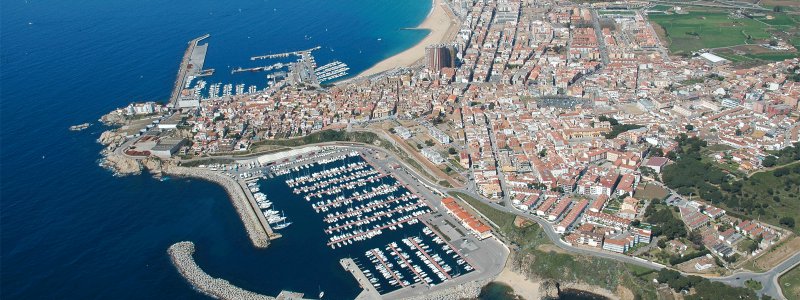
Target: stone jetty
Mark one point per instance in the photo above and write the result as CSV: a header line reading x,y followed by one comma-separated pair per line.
x,y
258,234
181,256
467,290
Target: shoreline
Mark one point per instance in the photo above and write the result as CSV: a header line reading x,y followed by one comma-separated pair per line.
x,y
523,287
255,230
534,289
439,21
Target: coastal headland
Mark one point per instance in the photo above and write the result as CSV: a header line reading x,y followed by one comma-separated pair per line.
x,y
442,25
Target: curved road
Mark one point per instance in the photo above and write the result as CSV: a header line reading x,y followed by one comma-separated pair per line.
x,y
768,279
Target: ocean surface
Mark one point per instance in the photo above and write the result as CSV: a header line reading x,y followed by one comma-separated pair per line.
x,y
69,229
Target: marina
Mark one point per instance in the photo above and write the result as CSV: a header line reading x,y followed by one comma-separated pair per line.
x,y
260,69
367,211
302,70
391,237
331,71
285,54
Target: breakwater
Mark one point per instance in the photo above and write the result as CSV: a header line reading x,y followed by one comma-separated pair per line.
x,y
258,232
467,290
181,256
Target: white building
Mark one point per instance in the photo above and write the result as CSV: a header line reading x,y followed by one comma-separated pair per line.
x,y
432,155
402,132
439,135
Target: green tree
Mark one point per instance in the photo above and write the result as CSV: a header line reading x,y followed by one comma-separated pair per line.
x,y
769,161
787,221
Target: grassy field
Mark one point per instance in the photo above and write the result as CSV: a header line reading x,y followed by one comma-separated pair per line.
x,y
779,19
795,42
531,260
777,196
498,217
737,58
773,56
732,56
790,284
616,12
660,7
699,30
753,284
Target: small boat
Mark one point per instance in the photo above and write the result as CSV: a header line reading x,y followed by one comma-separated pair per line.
x,y
282,225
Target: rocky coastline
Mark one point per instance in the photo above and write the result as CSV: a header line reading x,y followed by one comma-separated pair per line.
x,y
123,165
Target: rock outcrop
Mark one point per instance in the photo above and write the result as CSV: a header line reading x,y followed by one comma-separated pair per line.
x,y
549,289
122,165
113,118
111,137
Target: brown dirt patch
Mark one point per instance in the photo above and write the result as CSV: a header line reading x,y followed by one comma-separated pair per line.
x,y
778,253
650,191
752,49
551,247
624,293
665,293
662,34
521,222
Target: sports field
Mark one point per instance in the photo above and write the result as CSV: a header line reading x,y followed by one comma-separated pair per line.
x,y
702,30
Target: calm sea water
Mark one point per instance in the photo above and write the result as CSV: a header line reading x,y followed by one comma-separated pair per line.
x,y
70,230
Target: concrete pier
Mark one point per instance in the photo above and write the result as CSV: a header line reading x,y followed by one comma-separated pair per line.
x,y
254,207
187,63
369,291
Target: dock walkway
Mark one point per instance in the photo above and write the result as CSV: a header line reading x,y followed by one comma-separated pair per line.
x,y
409,265
375,193
435,264
257,211
369,291
388,268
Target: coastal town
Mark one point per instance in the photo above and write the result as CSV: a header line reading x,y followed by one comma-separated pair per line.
x,y
575,117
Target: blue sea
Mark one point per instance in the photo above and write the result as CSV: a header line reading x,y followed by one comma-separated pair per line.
x,y
69,229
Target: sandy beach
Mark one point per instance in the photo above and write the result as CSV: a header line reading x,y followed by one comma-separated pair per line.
x,y
523,287
442,25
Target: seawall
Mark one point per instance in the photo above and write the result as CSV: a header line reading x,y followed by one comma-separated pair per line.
x,y
181,256
467,290
255,229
